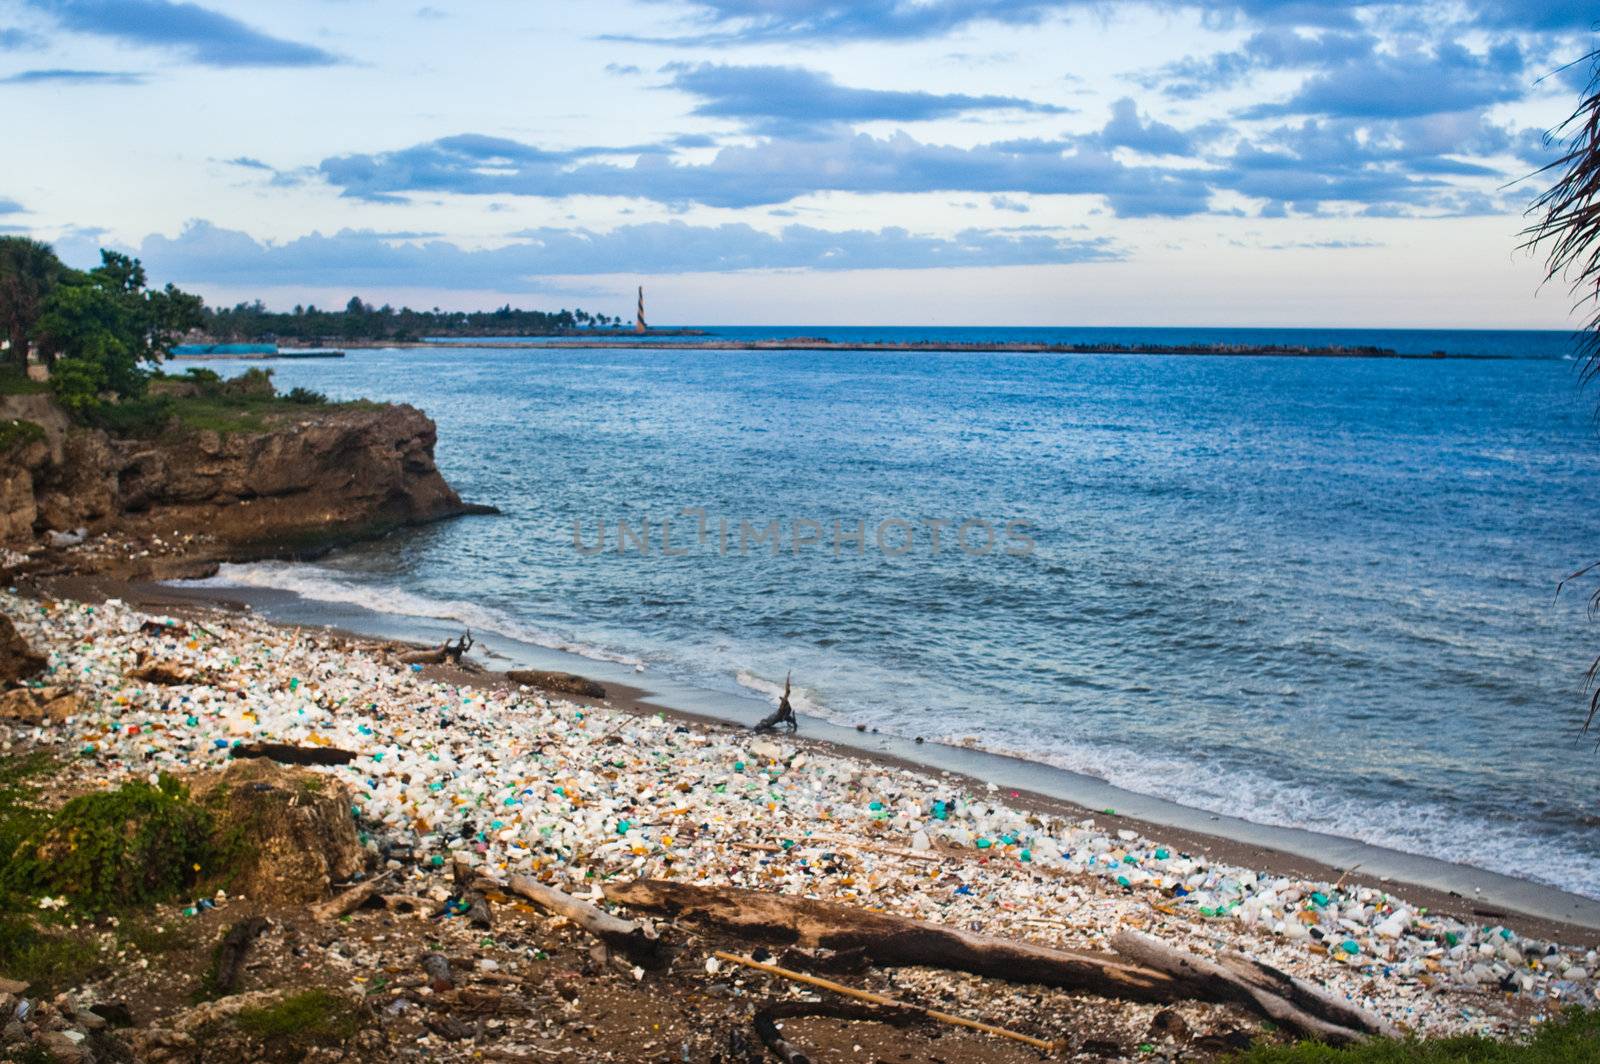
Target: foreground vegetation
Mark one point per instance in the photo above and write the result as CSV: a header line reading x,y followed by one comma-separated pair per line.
x,y
99,854
1574,1038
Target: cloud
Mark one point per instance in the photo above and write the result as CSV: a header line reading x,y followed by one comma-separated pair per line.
x,y
204,253
1127,130
205,36
1390,167
73,77
14,40
1409,82
250,163
1275,48
720,22
768,173
727,22
10,206
789,100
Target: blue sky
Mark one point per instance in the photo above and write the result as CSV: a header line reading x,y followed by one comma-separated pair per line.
x,y
1262,162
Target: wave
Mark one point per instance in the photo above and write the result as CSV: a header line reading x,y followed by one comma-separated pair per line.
x,y
321,584
1424,829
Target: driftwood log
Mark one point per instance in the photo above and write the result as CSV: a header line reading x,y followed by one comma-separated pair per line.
x,y
784,919
627,937
231,952
783,715
566,683
1282,998
446,651
294,755
885,1002
348,901
1143,968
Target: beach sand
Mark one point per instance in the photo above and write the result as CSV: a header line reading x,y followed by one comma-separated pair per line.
x,y
576,793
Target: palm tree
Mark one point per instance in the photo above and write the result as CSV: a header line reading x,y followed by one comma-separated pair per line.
x,y
1567,225
29,269
1567,230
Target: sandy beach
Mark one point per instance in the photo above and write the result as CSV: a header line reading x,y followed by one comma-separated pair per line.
x,y
451,767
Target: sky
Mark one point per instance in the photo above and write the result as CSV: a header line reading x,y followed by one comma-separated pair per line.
x,y
914,162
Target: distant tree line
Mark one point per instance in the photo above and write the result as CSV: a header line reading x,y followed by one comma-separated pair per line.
x,y
358,320
100,331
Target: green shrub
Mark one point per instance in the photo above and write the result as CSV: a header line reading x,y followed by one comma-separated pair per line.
x,y
131,418
78,383
113,849
305,397
1571,1039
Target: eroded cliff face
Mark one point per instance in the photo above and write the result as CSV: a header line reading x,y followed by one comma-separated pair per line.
x,y
301,480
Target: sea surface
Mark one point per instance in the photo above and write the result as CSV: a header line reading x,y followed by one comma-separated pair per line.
x,y
1318,593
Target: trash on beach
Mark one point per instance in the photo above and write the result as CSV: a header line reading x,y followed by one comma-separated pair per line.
x,y
517,783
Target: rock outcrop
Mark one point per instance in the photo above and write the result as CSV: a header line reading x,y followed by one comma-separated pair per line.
x,y
296,481
296,825
18,660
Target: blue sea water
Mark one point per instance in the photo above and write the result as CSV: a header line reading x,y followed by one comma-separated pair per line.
x,y
1310,592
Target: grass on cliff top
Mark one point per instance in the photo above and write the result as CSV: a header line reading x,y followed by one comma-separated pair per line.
x,y
154,415
228,415
1574,1038
14,383
18,433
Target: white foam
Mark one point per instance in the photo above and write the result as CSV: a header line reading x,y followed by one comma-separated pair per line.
x,y
1412,827
321,584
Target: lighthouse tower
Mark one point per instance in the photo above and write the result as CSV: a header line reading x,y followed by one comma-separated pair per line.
x,y
639,325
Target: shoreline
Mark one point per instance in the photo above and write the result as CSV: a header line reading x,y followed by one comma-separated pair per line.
x,y
875,346
581,796
1462,891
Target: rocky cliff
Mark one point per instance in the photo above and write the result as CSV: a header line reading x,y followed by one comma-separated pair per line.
x,y
294,480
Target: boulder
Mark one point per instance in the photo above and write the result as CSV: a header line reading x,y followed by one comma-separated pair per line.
x,y
18,660
298,834
566,683
41,705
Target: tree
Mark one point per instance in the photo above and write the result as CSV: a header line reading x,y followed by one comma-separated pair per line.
x,y
1567,230
1567,225
29,270
102,329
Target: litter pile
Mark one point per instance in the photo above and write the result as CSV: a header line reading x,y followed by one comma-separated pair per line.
x,y
514,784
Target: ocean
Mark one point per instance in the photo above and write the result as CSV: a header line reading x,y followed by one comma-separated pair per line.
x,y
1318,593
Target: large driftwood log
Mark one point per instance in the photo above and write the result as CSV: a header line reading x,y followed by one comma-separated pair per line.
x,y
893,940
1276,995
627,937
294,755
1143,968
